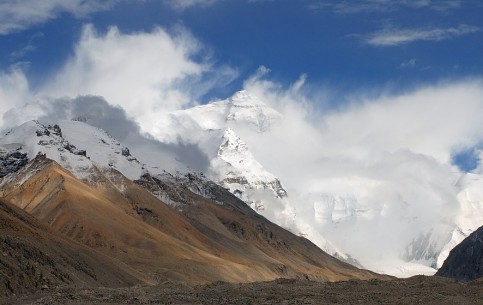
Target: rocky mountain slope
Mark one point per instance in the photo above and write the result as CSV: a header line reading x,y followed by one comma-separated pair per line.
x,y
181,227
465,261
34,257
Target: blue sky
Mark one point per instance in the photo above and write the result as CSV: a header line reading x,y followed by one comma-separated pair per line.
x,y
345,45
166,54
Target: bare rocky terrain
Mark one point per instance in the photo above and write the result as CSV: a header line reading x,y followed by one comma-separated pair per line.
x,y
415,290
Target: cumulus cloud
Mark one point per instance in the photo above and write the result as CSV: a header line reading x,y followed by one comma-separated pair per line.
x,y
395,37
19,15
146,73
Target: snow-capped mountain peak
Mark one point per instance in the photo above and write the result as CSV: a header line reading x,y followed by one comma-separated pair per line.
x,y
250,110
240,110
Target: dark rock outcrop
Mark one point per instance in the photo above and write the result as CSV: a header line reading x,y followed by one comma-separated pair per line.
x,y
11,162
465,261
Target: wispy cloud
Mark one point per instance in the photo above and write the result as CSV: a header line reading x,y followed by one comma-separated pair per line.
x,y
369,6
29,47
409,64
395,37
184,4
19,15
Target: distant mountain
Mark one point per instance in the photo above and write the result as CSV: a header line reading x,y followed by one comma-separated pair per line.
x,y
178,226
465,261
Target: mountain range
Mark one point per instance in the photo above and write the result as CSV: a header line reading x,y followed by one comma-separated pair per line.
x,y
152,217
79,208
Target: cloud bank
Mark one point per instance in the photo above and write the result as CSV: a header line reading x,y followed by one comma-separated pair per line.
x,y
376,174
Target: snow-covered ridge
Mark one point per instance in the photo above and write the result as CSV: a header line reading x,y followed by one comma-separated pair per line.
x,y
87,151
76,146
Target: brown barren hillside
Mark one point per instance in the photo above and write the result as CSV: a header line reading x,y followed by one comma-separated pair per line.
x,y
33,257
207,241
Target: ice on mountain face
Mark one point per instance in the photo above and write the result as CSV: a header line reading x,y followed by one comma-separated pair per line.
x,y
249,110
238,170
102,149
241,109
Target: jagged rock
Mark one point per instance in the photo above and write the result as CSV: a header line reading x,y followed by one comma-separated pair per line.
x,y
42,132
56,130
125,152
11,162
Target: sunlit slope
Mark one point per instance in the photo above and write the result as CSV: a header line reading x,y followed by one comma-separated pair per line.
x,y
207,241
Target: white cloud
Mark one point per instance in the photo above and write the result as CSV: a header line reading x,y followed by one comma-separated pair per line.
x,y
14,91
18,15
144,73
395,37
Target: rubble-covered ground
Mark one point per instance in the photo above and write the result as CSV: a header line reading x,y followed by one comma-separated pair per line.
x,y
415,290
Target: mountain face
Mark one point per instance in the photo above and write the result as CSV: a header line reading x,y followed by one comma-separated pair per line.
x,y
232,163
88,188
242,174
465,261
